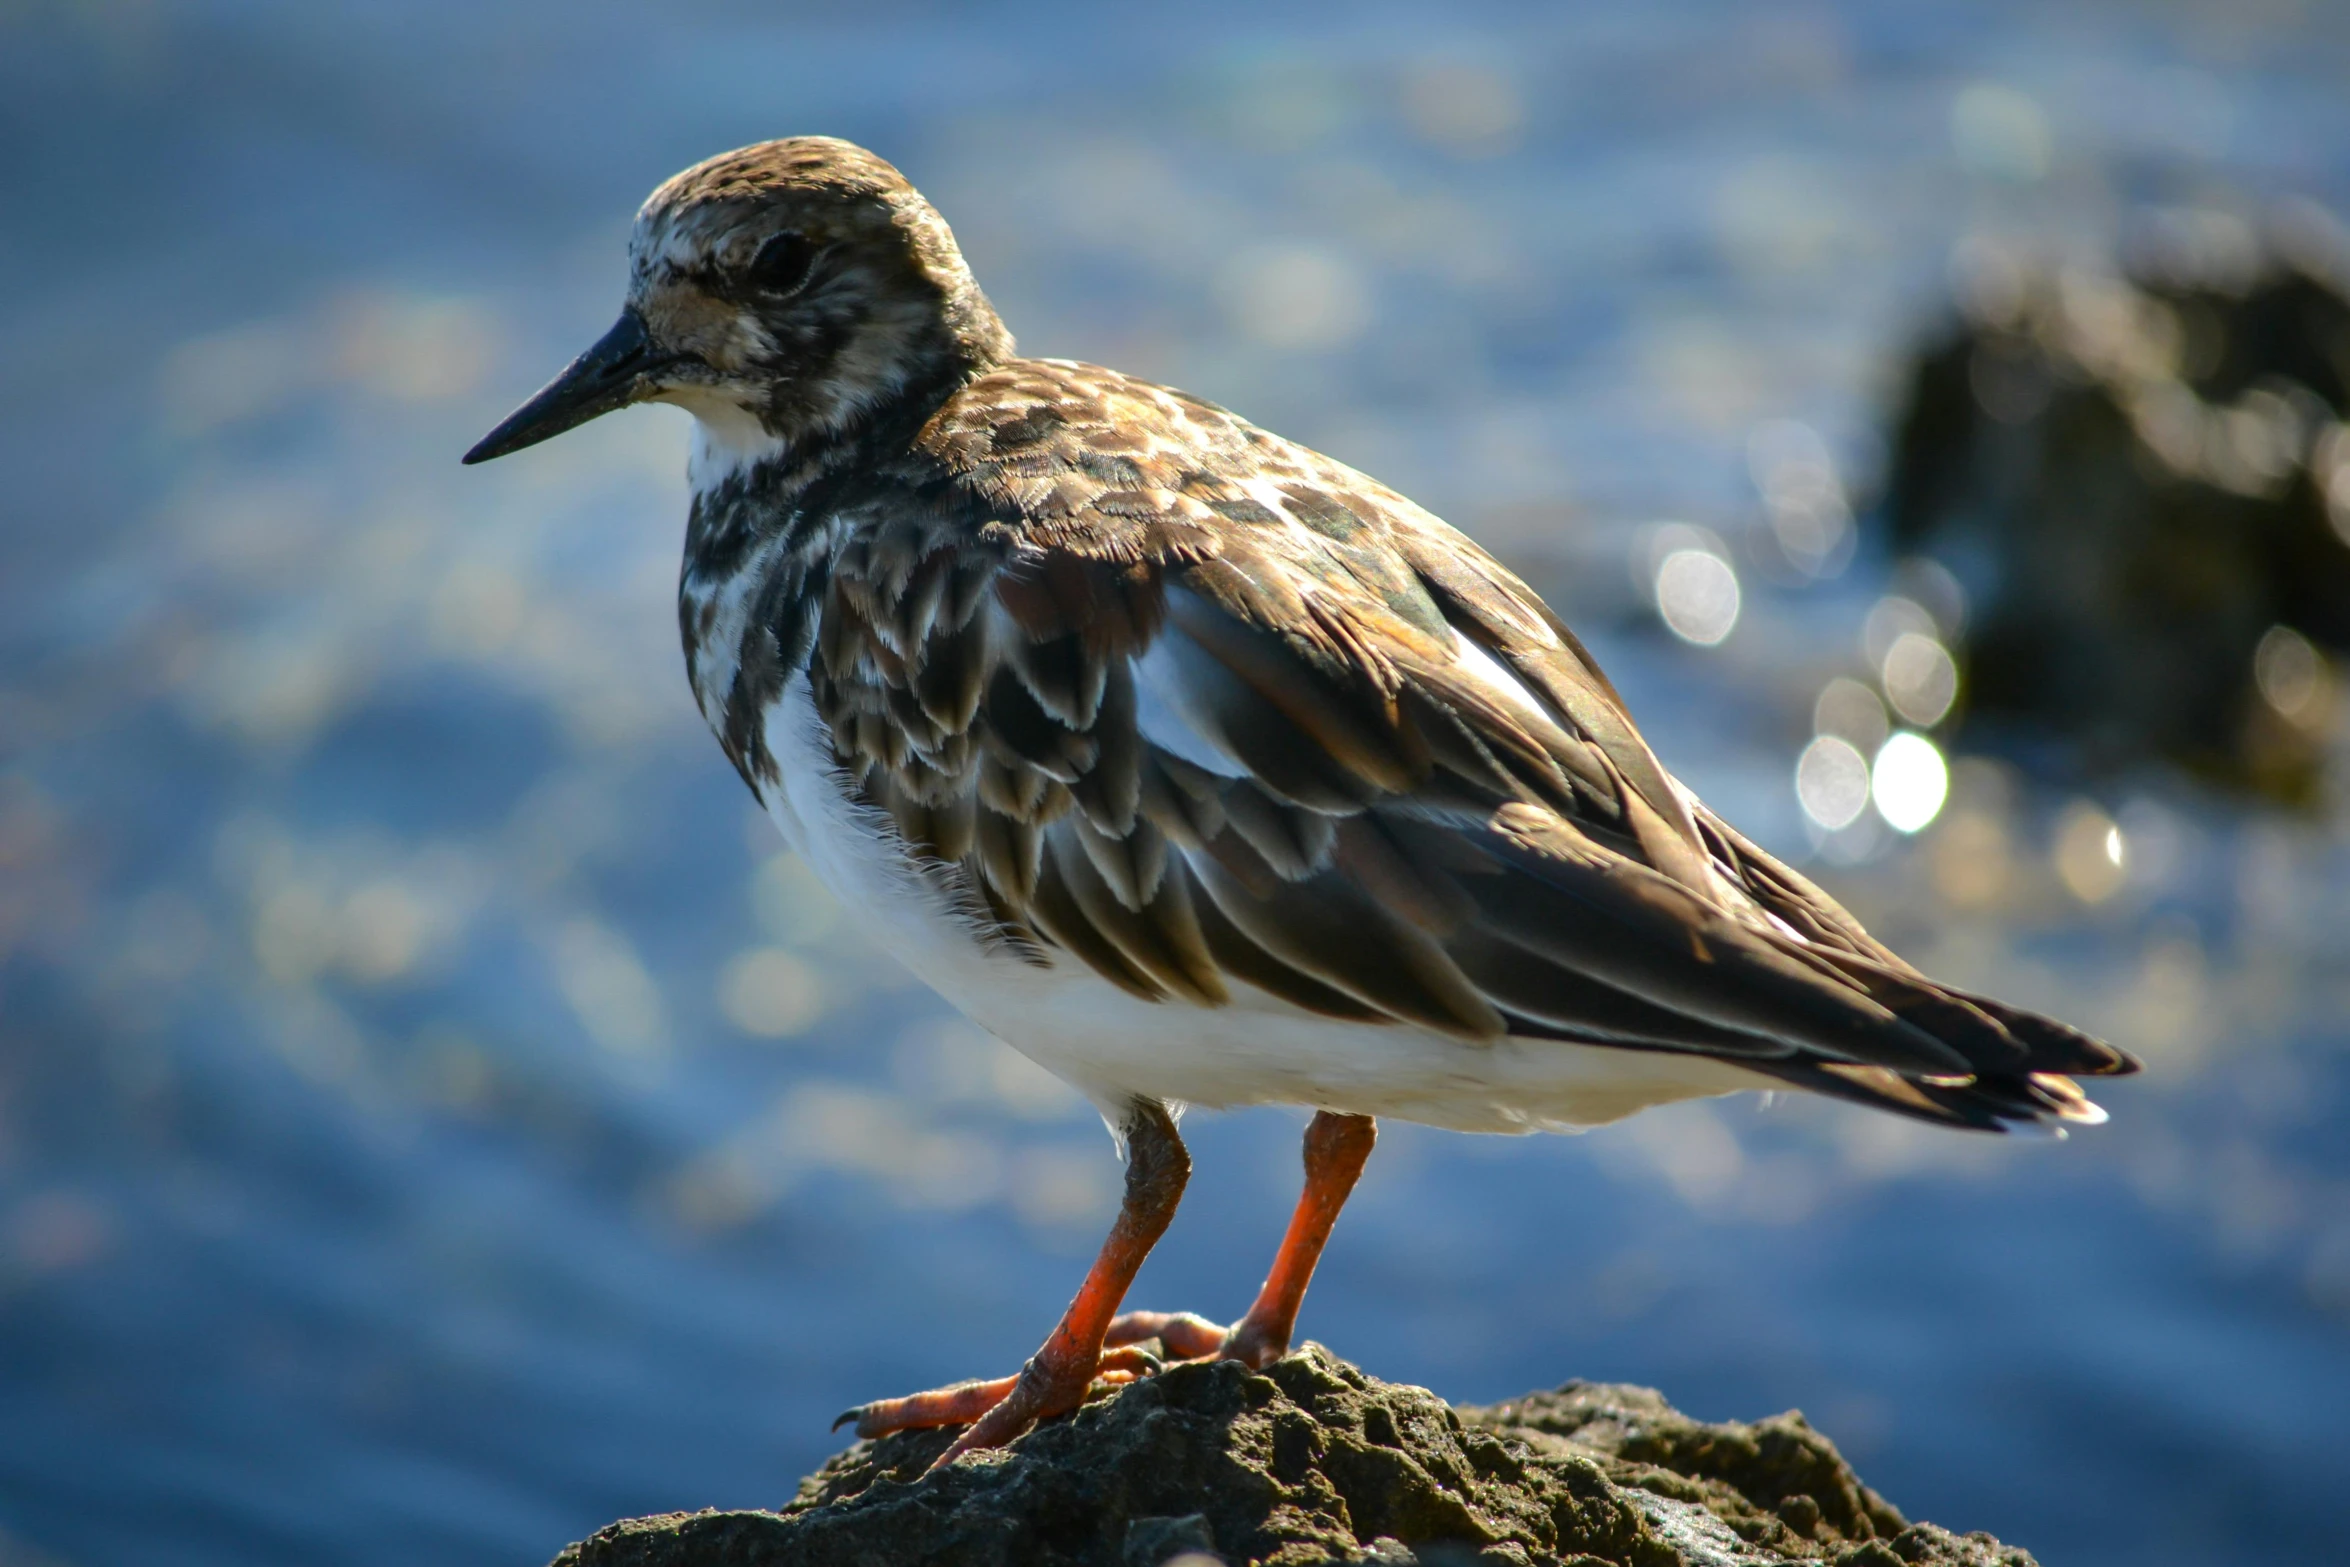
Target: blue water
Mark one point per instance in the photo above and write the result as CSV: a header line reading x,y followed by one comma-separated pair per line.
x,y
385,1172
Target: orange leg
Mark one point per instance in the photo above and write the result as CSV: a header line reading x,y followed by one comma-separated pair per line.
x,y
1056,1379
1336,1148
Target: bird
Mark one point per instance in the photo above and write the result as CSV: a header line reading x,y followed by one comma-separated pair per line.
x,y
1199,767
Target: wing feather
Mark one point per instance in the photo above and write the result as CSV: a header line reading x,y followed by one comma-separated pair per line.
x,y
1221,714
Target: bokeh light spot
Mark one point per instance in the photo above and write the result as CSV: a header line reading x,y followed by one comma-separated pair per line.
x,y
1802,495
770,994
609,989
1909,781
1832,782
1889,620
1921,678
2292,676
1697,594
1851,711
2337,485
2091,858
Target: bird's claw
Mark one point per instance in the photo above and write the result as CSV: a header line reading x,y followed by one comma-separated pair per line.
x,y
1048,1391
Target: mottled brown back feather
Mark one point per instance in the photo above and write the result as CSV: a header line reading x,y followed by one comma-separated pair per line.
x,y
1410,845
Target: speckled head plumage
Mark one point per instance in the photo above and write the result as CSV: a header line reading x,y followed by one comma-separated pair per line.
x,y
785,290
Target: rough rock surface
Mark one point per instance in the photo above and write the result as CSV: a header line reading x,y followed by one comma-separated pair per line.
x,y
1314,1462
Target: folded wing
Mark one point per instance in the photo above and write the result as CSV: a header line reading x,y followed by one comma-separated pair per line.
x,y
1209,713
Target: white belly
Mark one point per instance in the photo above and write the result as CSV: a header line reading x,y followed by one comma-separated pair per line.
x,y
1114,1046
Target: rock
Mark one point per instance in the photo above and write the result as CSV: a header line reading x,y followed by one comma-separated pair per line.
x,y
2142,480
1314,1462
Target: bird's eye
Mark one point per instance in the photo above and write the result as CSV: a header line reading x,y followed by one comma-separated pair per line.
x,y
782,264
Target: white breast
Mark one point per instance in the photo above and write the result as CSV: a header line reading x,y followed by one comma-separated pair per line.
x,y
727,602
1114,1046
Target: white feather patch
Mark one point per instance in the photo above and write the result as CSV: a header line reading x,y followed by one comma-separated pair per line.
x,y
728,438
1501,684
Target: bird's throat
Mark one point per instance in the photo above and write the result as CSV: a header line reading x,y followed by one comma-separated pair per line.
x,y
728,439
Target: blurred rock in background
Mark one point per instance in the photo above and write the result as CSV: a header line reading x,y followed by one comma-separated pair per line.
x,y
2142,483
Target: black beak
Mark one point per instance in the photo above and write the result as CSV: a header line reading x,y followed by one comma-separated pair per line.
x,y
608,376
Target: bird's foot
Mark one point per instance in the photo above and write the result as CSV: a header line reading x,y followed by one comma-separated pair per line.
x,y
1000,1409
1078,1356
1187,1336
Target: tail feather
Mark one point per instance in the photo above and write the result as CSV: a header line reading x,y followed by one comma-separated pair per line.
x,y
2047,1101
2021,1063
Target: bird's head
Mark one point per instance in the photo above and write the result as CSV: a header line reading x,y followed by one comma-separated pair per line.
x,y
777,292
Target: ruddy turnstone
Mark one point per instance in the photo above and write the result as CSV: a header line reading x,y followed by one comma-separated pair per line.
x,y
1197,766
